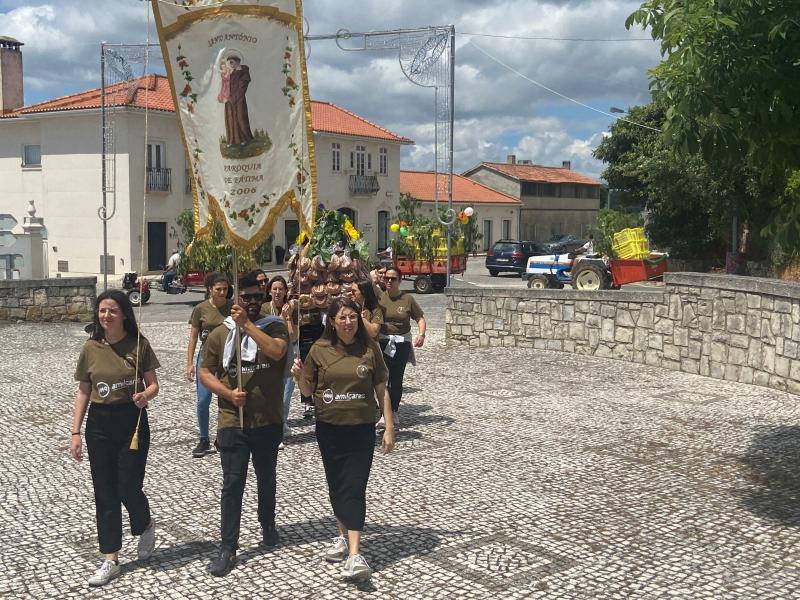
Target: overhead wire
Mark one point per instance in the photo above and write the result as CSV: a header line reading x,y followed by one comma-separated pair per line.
x,y
557,93
550,38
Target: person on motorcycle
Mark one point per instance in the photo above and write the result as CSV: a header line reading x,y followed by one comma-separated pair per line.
x,y
171,270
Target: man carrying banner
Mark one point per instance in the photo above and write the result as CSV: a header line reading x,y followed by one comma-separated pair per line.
x,y
264,342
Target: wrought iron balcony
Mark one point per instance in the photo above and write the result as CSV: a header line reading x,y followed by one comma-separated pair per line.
x,y
364,185
159,180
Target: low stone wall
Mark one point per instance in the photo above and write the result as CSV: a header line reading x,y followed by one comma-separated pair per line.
x,y
68,299
741,329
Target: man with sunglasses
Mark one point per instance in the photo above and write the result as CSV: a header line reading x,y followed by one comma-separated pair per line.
x,y
264,344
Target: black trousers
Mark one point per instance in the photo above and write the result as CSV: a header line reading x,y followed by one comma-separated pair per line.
x,y
347,452
397,368
235,448
305,348
117,471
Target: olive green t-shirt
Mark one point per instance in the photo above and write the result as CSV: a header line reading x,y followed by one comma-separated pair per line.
x,y
268,308
206,317
111,371
343,379
398,312
262,380
375,316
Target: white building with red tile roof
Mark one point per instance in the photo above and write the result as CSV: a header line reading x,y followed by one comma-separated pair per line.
x,y
50,152
555,200
497,213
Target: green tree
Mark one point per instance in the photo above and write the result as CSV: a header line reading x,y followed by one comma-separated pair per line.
x,y
731,79
690,201
213,253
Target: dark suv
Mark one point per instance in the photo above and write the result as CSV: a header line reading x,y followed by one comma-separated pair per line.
x,y
511,255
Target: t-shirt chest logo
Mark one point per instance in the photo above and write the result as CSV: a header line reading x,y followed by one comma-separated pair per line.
x,y
327,396
401,309
103,389
130,361
362,371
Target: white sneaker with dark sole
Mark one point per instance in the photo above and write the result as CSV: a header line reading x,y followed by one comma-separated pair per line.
x,y
107,571
356,568
337,551
147,541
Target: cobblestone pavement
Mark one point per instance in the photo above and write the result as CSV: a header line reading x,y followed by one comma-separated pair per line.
x,y
518,474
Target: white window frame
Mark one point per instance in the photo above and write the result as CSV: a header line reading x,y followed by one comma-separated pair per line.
x,y
156,154
361,160
31,165
336,157
383,164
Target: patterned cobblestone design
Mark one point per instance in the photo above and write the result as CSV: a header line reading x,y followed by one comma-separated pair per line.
x,y
734,328
519,473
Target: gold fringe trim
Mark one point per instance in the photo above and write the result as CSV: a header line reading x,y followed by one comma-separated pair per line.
x,y
186,20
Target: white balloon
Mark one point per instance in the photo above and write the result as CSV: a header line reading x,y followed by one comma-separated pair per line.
x,y
468,211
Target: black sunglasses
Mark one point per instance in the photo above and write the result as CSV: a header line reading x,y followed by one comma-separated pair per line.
x,y
253,297
391,278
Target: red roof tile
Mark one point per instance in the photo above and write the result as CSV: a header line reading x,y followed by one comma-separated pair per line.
x,y
152,91
330,118
421,185
537,173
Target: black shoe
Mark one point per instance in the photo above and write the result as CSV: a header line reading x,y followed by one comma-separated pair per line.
x,y
223,564
308,413
202,448
269,535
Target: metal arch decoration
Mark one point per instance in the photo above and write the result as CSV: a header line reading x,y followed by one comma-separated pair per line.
x,y
427,59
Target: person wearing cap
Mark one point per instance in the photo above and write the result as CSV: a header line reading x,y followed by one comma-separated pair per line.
x,y
264,346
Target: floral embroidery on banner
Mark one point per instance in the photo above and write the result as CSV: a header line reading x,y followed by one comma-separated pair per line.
x,y
187,93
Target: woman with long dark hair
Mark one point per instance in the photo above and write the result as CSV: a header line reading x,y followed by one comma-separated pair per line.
x,y
206,316
363,292
117,380
280,307
346,376
399,308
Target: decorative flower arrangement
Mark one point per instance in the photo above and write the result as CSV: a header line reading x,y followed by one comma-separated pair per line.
x,y
332,260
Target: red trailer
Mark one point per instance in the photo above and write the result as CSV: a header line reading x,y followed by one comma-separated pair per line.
x,y
430,275
630,271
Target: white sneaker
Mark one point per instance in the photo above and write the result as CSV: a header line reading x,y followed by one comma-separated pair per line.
x,y
107,571
381,424
147,541
337,551
281,446
356,568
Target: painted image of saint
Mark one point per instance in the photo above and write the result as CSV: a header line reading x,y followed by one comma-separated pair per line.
x,y
235,80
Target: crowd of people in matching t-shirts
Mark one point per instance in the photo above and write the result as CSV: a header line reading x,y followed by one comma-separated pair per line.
x,y
347,362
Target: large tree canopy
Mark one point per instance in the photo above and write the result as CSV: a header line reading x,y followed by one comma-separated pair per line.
x,y
690,201
731,79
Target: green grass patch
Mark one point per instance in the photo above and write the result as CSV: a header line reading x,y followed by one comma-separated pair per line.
x,y
258,145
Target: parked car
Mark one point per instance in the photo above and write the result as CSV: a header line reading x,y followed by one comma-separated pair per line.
x,y
563,244
511,255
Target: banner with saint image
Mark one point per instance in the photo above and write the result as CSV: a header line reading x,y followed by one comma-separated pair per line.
x,y
238,76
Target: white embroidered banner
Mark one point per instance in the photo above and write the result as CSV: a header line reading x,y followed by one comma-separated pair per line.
x,y
238,75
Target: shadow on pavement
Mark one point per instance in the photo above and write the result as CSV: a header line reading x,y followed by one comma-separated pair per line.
x,y
773,471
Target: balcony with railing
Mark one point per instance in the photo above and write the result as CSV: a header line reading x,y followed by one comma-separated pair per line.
x,y
159,180
364,185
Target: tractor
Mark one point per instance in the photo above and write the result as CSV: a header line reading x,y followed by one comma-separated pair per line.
x,y
553,271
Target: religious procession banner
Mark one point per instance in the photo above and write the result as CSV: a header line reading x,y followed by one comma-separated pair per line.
x,y
238,75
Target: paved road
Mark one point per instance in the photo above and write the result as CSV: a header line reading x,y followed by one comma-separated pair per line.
x,y
518,474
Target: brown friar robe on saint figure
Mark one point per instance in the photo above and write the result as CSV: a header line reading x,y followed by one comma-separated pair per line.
x,y
237,121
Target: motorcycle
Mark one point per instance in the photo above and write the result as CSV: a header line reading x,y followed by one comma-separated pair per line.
x,y
176,286
137,293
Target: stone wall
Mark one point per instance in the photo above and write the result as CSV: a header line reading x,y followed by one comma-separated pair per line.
x,y
741,329
68,299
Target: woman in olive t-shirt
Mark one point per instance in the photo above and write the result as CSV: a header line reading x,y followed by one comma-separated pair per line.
x,y
363,292
206,317
399,308
345,374
117,379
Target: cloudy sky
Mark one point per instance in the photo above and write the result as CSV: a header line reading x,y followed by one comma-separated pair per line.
x,y
497,111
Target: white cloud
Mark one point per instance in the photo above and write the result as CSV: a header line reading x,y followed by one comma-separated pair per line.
x,y
497,112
